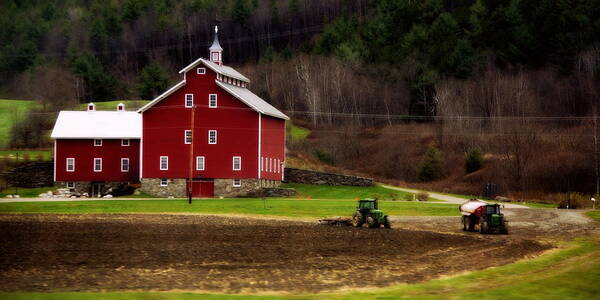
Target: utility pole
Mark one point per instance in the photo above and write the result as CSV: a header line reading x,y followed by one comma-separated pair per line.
x,y
191,174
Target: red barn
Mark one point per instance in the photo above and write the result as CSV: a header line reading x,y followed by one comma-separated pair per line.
x,y
208,135
95,151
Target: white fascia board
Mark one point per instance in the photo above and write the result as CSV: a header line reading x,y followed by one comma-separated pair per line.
x,y
162,96
226,88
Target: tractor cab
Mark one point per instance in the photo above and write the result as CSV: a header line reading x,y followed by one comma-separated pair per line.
x,y
368,204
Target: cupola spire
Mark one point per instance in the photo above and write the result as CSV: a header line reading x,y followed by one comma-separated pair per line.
x,y
215,51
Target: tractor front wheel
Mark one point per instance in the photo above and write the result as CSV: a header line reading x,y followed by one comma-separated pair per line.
x,y
357,220
371,223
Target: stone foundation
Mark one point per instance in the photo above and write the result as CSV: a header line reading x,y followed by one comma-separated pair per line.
x,y
82,187
175,187
249,186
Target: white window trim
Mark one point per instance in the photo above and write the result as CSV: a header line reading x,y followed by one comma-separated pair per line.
x,y
185,136
198,158
201,71
233,163
237,183
96,159
262,163
209,132
166,182
185,99
123,142
122,160
97,145
67,166
160,165
70,185
210,102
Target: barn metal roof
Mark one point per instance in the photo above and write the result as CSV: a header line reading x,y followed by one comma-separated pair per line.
x,y
98,125
223,70
258,104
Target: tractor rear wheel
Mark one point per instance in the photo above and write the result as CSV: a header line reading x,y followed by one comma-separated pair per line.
x,y
357,219
371,223
504,228
465,222
386,222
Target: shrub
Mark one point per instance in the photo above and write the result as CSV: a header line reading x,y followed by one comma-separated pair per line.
x,y
409,197
423,196
324,156
431,166
572,200
473,161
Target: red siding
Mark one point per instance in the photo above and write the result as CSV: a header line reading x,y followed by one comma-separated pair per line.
x,y
272,147
164,125
84,153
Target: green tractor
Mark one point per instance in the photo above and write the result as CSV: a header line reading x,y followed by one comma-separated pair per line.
x,y
368,213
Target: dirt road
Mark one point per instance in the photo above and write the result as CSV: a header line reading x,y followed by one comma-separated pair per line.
x,y
233,255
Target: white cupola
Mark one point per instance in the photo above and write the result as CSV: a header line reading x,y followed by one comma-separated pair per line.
x,y
91,107
215,51
120,107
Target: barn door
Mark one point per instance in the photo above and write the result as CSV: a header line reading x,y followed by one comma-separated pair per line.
x,y
202,188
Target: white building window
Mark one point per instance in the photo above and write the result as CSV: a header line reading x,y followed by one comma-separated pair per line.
x,y
164,182
270,164
70,185
237,163
97,164
215,56
164,163
237,182
201,71
212,100
187,137
262,163
189,100
199,163
125,143
70,165
212,136
97,143
124,164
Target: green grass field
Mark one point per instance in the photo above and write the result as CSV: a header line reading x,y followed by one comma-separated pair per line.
x,y
314,191
24,155
297,133
594,214
11,110
25,192
570,272
244,206
112,105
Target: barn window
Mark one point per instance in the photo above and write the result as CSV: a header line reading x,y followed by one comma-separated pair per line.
x,y
212,100
164,182
262,163
164,163
212,136
187,137
200,163
189,100
70,165
215,56
125,143
124,164
97,164
97,143
237,163
70,185
237,182
201,71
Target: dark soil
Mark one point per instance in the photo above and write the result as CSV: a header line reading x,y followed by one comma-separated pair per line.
x,y
234,255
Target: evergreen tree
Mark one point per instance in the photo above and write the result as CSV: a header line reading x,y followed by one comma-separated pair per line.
x,y
153,80
431,167
473,161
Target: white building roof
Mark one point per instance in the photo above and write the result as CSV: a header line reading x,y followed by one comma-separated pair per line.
x,y
98,125
223,70
258,104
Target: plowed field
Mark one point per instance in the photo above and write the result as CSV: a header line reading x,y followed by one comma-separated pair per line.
x,y
226,254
